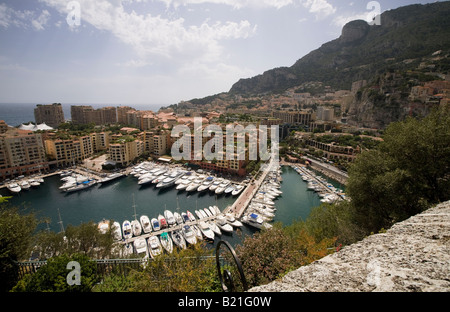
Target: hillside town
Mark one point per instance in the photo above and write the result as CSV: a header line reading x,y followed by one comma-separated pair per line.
x,y
314,119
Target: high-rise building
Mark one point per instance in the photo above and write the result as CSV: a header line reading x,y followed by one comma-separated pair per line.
x,y
51,114
21,152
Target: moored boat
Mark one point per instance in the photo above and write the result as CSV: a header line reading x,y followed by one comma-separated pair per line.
x,y
126,229
166,242
154,246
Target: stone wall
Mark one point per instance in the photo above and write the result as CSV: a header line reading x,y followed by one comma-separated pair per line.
x,y
414,255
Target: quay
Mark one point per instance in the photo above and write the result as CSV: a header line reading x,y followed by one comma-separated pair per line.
x,y
242,202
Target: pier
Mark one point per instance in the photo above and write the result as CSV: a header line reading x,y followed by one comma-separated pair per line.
x,y
244,199
168,229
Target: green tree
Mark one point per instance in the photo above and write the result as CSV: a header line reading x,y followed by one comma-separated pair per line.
x,y
407,173
16,237
52,277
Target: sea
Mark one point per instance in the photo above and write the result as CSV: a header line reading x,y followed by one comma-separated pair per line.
x,y
118,200
15,114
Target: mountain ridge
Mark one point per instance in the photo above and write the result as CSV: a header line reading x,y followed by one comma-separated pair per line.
x,y
361,51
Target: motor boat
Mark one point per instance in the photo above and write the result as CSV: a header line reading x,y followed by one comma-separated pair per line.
x,y
190,216
213,226
34,182
117,232
212,210
140,245
136,227
189,235
206,184
206,230
216,183
166,242
229,189
197,232
178,239
232,220
168,215
182,186
185,217
145,222
81,186
223,224
178,218
126,229
155,225
218,212
24,185
256,221
237,190
111,177
222,187
14,188
162,222
154,246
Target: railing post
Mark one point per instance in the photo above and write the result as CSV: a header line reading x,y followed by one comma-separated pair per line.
x,y
225,277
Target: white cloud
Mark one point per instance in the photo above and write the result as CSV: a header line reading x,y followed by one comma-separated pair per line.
x,y
155,36
321,8
23,19
41,20
236,4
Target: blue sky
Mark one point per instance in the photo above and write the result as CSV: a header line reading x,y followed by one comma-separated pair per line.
x,y
157,51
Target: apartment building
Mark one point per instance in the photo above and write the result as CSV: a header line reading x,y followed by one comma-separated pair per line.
x,y
69,152
87,114
291,117
52,114
21,152
100,141
125,152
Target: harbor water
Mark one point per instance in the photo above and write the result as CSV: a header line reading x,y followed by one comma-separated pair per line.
x,y
115,201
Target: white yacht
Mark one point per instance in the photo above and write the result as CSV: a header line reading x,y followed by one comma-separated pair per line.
x,y
178,218
24,185
205,184
169,217
111,177
81,186
178,239
215,184
229,189
126,229
189,235
232,220
223,224
117,232
155,225
140,245
237,190
166,242
154,246
136,227
14,188
222,187
206,230
145,222
256,221
213,226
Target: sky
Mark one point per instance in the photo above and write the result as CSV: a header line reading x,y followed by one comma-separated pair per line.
x,y
129,52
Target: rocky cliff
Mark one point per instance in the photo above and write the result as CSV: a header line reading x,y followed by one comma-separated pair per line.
x,y
362,50
414,255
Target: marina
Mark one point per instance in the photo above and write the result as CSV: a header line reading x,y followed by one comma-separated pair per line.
x,y
122,199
